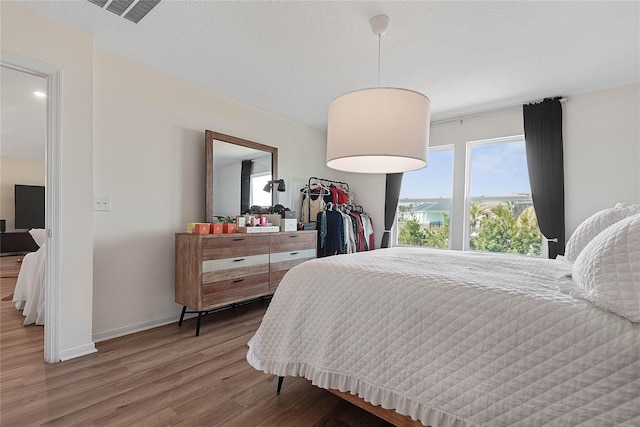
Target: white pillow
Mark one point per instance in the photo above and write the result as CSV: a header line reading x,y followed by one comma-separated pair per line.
x,y
39,235
608,269
594,225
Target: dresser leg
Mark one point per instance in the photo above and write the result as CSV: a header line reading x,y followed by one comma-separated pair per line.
x,y
280,379
198,325
184,310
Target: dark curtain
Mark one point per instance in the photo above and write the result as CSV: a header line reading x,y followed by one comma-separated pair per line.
x,y
245,185
392,193
543,140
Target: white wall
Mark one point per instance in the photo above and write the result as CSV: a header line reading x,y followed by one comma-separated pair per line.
x,y
149,158
15,170
602,151
33,36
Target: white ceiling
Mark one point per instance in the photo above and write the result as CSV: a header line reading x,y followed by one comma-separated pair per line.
x,y
293,58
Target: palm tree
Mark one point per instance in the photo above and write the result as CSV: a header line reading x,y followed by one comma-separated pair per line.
x,y
501,231
504,212
527,219
477,212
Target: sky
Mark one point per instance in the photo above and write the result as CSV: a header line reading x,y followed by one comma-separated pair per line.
x,y
497,169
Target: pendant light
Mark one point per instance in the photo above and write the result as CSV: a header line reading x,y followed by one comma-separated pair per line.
x,y
378,130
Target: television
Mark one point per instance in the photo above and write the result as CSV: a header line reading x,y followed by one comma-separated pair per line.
x,y
29,204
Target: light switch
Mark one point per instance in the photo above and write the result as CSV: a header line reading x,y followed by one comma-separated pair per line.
x,y
102,203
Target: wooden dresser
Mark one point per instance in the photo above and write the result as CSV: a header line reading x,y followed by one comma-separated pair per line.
x,y
217,270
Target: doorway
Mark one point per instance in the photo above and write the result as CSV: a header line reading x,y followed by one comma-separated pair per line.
x,y
52,76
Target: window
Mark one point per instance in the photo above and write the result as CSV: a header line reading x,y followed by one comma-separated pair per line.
x,y
499,209
492,210
424,207
260,197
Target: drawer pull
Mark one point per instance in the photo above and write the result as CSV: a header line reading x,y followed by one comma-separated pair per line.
x,y
238,240
293,235
295,253
238,260
238,280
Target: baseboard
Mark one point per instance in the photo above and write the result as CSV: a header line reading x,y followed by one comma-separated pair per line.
x,y
81,350
138,327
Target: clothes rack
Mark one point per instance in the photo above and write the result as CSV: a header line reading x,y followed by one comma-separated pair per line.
x,y
314,180
343,226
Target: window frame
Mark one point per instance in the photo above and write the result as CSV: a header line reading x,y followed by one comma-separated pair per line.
x,y
468,199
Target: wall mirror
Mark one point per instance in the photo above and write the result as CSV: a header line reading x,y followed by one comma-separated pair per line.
x,y
237,171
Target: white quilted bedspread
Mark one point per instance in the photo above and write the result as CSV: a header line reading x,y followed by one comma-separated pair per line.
x,y
453,339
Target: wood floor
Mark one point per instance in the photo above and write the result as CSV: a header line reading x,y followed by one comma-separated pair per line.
x,y
160,377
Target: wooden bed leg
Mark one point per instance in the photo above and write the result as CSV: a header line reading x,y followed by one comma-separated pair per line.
x,y
280,379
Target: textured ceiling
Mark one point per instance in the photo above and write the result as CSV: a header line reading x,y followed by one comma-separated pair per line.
x,y
293,58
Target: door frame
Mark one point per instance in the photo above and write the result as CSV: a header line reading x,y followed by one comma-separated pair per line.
x,y
53,76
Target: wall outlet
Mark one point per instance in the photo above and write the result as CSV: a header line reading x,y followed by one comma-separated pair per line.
x,y
102,203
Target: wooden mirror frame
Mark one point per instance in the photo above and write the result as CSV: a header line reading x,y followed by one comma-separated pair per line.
x,y
209,137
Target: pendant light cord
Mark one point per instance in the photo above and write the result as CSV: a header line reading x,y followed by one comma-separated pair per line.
x,y
379,40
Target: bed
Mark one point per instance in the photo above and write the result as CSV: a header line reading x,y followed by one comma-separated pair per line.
x,y
457,338
28,294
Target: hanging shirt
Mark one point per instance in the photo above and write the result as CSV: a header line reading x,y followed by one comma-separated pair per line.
x,y
362,243
354,232
331,242
349,240
310,213
368,231
338,195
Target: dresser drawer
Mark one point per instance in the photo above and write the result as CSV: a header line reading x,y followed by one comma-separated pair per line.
x,y
234,246
233,268
299,255
232,290
292,241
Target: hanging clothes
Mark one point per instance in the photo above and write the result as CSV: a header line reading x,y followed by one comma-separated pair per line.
x,y
343,227
348,233
338,196
362,243
368,230
317,205
354,232
330,238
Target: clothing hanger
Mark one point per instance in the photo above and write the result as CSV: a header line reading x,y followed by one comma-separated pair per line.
x,y
325,190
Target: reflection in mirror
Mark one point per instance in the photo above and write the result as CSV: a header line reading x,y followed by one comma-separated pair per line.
x,y
238,170
232,162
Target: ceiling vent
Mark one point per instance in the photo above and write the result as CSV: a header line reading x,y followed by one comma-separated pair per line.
x,y
135,9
